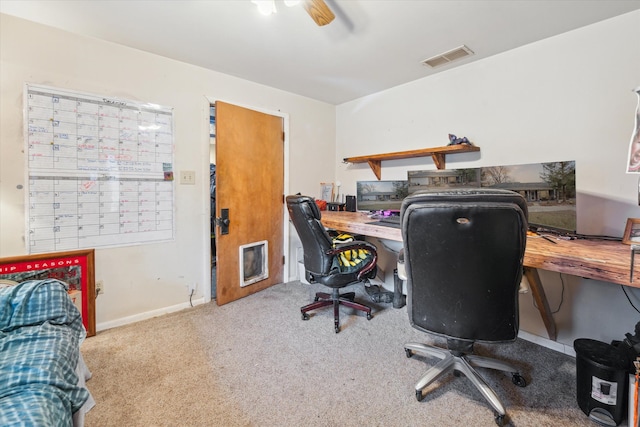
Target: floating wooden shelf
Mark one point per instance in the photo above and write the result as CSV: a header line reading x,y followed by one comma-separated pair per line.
x,y
437,153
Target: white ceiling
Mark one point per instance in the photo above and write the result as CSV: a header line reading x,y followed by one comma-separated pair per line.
x,y
372,45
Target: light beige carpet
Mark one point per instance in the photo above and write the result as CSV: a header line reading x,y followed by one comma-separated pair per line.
x,y
254,362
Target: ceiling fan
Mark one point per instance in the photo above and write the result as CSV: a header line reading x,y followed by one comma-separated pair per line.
x,y
317,9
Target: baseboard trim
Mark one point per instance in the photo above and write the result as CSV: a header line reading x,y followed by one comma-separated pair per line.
x,y
545,342
146,315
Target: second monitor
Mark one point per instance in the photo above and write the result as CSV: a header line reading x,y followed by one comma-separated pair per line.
x,y
385,196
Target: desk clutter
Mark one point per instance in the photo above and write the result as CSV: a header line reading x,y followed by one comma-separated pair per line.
x,y
334,206
323,205
330,195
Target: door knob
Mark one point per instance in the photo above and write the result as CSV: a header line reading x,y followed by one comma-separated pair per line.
x,y
223,221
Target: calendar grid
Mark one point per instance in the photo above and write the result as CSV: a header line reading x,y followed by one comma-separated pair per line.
x,y
100,171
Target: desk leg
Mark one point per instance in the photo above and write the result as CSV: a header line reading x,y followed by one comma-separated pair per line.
x,y
399,300
541,301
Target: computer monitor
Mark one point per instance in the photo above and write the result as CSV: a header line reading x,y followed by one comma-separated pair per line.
x,y
384,196
549,188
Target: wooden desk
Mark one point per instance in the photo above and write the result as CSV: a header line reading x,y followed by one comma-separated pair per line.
x,y
608,261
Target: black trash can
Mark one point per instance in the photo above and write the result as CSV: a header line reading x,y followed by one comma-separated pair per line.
x,y
602,381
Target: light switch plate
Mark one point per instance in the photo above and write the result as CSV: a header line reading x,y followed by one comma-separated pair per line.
x,y
188,177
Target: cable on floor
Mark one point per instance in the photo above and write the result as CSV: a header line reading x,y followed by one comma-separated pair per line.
x,y
629,299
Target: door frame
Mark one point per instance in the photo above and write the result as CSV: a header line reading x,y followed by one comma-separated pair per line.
x,y
206,223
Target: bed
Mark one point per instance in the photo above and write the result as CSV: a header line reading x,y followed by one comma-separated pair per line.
x,y
42,373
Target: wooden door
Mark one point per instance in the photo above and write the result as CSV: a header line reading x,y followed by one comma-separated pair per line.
x,y
250,184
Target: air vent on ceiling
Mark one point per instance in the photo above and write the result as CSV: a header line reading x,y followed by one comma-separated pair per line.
x,y
445,58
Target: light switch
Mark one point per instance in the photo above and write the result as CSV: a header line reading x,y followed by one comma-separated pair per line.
x,y
188,177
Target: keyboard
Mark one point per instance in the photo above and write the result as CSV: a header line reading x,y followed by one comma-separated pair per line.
x,y
395,219
388,221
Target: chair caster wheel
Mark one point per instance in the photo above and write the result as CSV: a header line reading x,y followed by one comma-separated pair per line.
x,y
316,299
369,316
419,395
337,328
305,316
499,420
408,352
518,380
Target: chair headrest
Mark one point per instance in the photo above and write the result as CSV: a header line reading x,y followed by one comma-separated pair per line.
x,y
305,200
468,195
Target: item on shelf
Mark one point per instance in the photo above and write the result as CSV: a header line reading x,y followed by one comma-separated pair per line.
x,y
454,140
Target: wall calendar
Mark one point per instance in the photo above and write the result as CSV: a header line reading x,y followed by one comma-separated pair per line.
x,y
100,171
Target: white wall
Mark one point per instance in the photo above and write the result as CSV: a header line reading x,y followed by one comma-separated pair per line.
x,y
569,97
147,279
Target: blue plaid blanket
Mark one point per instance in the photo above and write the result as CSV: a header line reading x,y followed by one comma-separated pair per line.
x,y
40,335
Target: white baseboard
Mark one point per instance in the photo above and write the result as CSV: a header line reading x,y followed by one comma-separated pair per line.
x,y
146,315
545,342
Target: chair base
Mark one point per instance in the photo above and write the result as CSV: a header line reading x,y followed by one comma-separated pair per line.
x,y
336,299
464,363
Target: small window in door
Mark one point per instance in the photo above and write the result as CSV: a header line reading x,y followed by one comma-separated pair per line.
x,y
254,262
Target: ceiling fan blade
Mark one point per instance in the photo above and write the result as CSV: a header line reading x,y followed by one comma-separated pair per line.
x,y
319,11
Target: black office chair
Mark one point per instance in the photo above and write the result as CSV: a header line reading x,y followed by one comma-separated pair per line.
x,y
321,260
463,253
